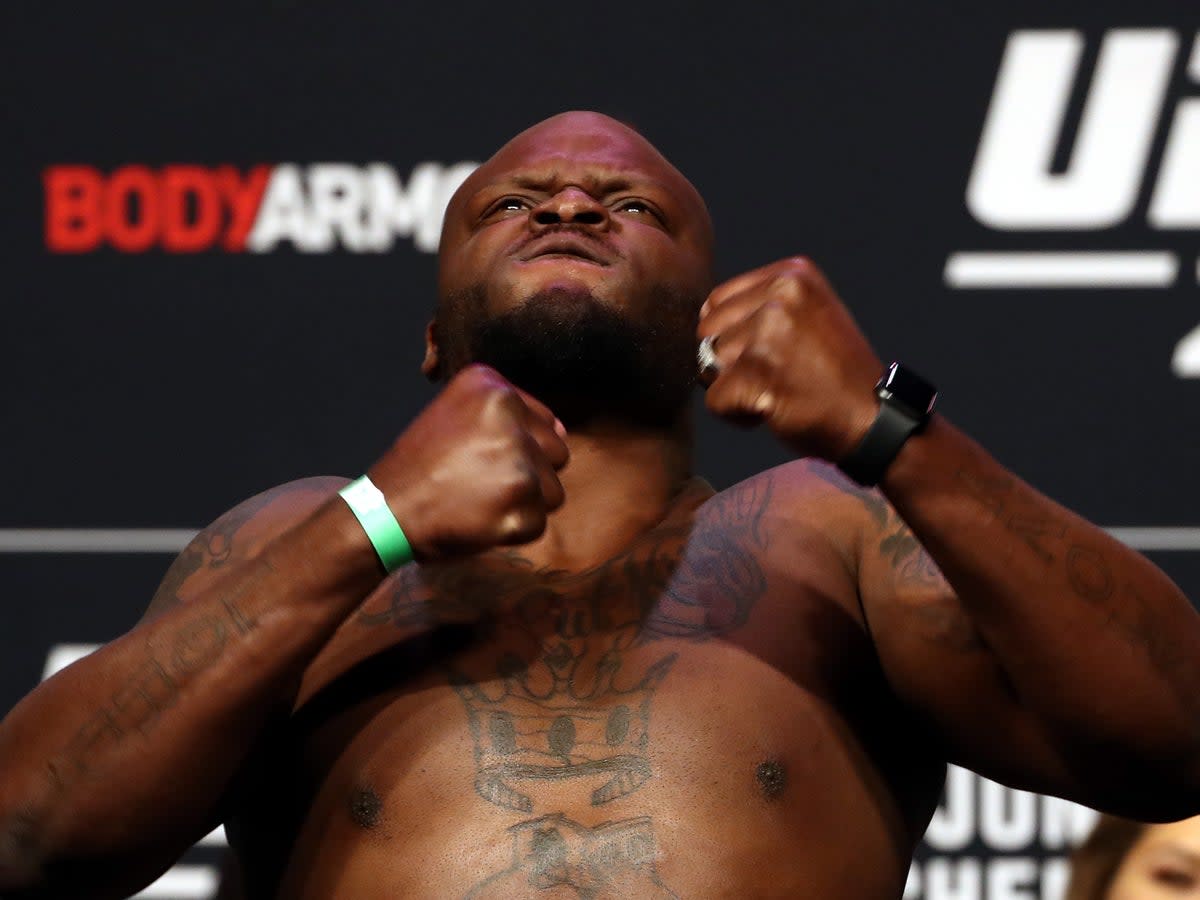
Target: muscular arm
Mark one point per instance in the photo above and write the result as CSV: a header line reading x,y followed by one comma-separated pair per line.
x,y
1055,658
109,770
115,765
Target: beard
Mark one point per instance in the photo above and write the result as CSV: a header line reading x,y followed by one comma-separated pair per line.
x,y
587,361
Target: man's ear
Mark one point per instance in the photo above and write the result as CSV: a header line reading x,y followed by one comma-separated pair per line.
x,y
431,366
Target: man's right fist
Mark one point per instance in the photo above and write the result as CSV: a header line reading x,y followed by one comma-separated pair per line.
x,y
476,469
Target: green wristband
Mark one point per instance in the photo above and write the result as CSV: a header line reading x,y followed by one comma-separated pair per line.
x,y
370,508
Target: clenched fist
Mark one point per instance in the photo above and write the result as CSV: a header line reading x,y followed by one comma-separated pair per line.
x,y
476,469
791,356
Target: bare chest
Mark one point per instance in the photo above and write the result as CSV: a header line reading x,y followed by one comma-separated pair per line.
x,y
712,685
590,649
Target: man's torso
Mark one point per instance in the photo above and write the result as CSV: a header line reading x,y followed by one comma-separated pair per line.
x,y
701,716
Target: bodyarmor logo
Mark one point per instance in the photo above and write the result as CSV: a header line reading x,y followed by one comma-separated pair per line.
x,y
188,209
1126,103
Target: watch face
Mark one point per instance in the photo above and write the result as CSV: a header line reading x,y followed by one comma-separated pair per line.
x,y
907,387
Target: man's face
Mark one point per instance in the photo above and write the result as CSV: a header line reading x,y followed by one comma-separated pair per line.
x,y
577,224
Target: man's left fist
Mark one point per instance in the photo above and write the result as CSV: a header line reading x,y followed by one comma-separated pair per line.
x,y
791,356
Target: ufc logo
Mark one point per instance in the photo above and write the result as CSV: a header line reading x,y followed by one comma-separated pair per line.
x,y
1126,102
1012,186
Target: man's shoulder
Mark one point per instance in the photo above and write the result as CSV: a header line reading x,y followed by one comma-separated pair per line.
x,y
240,534
806,499
807,487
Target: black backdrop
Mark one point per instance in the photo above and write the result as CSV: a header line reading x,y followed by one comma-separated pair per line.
x,y
151,389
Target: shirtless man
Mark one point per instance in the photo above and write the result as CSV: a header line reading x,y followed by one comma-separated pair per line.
x,y
602,680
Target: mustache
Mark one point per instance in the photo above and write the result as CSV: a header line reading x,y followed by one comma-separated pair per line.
x,y
581,233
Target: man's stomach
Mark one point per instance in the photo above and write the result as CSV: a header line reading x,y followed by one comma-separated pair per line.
x,y
686,772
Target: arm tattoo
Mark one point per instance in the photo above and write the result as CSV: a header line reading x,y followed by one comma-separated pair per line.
x,y
910,563
136,706
938,616
212,548
1089,574
175,658
1037,529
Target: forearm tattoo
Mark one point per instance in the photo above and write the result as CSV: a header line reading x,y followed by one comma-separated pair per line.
x,y
1069,553
173,658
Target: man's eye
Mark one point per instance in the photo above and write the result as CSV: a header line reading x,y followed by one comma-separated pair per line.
x,y
641,207
510,204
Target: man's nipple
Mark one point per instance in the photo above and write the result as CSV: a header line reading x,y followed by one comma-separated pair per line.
x,y
365,807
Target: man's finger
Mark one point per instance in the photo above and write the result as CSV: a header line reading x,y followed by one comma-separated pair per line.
x,y
727,289
745,326
550,444
540,455
745,391
794,268
552,489
540,411
724,317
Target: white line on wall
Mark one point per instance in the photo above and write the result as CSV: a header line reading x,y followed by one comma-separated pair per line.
x,y
94,540
1083,269
172,540
1164,538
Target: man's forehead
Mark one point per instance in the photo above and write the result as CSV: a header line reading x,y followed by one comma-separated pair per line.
x,y
569,139
574,141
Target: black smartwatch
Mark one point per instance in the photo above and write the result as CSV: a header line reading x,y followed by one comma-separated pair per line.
x,y
906,402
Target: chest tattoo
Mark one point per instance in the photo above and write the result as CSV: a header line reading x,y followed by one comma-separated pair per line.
x,y
559,693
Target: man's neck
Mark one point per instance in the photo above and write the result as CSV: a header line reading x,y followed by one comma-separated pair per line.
x,y
618,484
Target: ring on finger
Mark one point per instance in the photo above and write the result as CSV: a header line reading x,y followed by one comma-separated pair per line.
x,y
706,357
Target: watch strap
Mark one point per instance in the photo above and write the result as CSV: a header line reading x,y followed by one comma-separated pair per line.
x,y
867,462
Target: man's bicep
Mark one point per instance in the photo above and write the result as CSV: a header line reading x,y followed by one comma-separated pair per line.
x,y
939,664
238,535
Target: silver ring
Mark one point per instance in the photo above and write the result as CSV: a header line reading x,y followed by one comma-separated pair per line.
x,y
706,358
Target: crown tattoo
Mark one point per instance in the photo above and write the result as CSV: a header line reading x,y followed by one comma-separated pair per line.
x,y
549,731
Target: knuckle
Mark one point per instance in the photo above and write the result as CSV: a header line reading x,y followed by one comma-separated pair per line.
x,y
521,486
522,524
490,383
501,401
788,286
771,329
718,397
774,313
475,375
800,266
758,355
715,405
552,450
553,493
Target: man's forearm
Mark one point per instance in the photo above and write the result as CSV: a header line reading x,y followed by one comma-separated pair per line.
x,y
128,752
1097,641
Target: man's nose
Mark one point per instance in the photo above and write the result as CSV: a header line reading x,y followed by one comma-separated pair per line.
x,y
570,206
